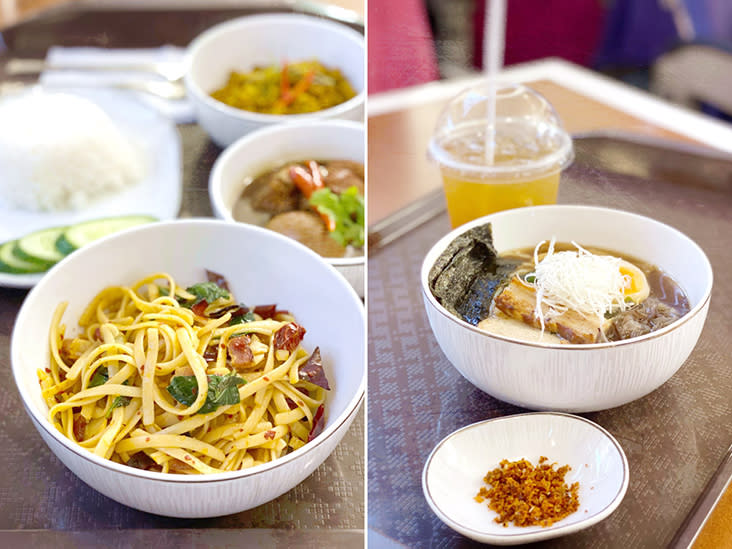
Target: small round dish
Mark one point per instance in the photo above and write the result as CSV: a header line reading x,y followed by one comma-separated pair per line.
x,y
455,469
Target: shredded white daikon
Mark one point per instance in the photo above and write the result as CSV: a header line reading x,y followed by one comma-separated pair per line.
x,y
578,280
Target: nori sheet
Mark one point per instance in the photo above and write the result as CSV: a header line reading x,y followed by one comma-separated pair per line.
x,y
467,274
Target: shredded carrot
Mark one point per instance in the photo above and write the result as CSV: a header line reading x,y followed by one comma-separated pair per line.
x,y
303,180
284,80
308,182
301,87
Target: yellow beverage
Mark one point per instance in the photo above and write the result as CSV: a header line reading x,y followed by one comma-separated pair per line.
x,y
468,199
502,158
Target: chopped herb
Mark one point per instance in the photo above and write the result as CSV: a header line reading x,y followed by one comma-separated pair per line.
x,y
347,210
100,377
117,402
163,290
205,291
242,319
530,279
222,391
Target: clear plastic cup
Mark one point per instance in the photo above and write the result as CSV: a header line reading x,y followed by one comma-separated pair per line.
x,y
531,148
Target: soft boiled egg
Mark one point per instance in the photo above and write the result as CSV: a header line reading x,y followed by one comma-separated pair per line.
x,y
635,285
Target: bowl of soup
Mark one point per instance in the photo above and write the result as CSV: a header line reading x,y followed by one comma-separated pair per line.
x,y
573,308
303,180
260,70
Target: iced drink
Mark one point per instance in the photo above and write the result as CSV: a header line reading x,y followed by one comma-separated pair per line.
x,y
514,162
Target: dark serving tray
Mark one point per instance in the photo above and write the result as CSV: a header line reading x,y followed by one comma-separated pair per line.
x,y
43,504
675,437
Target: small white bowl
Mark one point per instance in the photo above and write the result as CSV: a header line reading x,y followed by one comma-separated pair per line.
x,y
454,472
577,378
261,40
270,147
261,267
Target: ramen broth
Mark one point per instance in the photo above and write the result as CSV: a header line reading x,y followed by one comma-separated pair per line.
x,y
666,301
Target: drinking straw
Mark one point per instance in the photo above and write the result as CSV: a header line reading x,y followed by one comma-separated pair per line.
x,y
494,31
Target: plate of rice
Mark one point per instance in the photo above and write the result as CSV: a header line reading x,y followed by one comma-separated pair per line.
x,y
73,155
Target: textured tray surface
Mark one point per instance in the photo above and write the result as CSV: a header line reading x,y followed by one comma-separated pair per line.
x,y
674,438
42,504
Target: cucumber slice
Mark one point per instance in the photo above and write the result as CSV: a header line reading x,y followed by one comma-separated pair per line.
x,y
40,247
10,263
76,236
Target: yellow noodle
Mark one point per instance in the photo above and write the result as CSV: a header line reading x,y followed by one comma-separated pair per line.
x,y
158,441
148,377
140,338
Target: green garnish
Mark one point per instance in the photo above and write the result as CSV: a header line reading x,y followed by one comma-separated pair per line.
x,y
242,319
347,210
205,291
222,391
117,402
100,377
530,279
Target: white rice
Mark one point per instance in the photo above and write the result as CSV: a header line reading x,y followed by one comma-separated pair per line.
x,y
61,152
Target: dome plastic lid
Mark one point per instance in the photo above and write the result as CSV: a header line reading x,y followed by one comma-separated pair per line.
x,y
528,135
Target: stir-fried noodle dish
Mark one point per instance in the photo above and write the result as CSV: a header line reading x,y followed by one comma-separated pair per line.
x,y
183,380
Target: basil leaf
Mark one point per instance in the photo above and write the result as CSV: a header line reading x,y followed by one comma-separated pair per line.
x,y
206,291
183,389
222,391
241,319
117,402
100,377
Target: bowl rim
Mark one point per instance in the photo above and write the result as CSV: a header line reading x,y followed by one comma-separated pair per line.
x,y
442,243
40,419
215,181
551,531
326,25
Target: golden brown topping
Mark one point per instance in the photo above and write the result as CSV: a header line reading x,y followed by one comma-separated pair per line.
x,y
528,495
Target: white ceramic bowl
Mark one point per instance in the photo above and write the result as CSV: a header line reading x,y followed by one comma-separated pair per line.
x,y
268,148
261,267
577,378
454,472
246,42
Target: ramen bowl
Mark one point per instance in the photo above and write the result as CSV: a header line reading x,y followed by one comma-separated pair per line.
x,y
268,148
262,40
261,267
584,377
